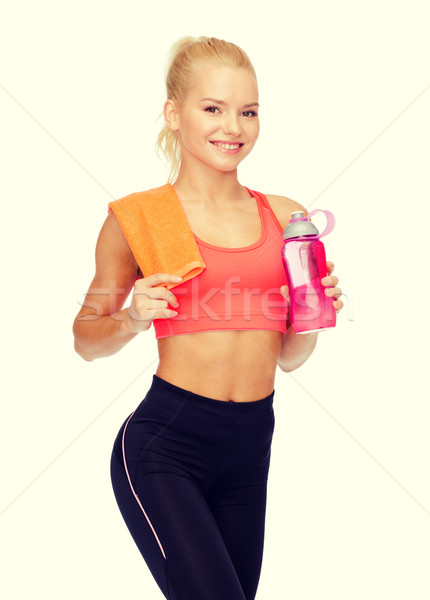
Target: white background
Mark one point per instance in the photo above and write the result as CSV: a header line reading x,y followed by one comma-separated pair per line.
x,y
344,89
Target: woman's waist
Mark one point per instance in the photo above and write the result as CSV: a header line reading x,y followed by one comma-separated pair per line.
x,y
226,365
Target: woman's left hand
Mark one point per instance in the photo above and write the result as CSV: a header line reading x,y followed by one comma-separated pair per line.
x,y
330,282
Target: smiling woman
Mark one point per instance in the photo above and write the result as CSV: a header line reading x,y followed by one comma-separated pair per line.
x,y
223,121
190,465
189,61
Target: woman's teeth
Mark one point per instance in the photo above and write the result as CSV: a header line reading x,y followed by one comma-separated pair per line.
x,y
226,146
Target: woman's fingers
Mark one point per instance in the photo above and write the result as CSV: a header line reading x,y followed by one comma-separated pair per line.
x,y
330,282
150,287
157,278
151,300
335,292
330,266
338,304
285,292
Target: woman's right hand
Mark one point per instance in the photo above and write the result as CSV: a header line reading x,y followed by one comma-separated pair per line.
x,y
150,301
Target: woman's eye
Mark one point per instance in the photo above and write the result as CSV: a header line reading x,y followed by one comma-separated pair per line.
x,y
250,113
211,109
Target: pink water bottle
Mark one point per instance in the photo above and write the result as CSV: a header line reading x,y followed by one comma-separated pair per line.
x,y
304,260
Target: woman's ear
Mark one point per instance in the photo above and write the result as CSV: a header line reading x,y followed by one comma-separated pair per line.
x,y
171,115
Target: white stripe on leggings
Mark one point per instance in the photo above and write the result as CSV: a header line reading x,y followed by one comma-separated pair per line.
x,y
132,489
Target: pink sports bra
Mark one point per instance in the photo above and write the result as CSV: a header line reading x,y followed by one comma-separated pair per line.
x,y
239,289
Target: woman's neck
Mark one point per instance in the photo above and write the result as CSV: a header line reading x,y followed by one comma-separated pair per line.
x,y
209,184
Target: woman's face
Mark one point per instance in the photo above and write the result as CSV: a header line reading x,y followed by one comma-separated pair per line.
x,y
218,121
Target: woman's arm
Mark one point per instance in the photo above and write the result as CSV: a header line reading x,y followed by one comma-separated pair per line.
x,y
296,349
101,328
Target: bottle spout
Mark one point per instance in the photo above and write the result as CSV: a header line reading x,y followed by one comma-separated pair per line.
x,y
298,214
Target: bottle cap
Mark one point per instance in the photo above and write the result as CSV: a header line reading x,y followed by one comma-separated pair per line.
x,y
300,225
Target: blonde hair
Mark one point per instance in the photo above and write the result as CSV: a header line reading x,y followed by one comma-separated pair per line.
x,y
183,56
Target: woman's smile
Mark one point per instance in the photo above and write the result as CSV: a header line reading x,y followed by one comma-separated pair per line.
x,y
227,147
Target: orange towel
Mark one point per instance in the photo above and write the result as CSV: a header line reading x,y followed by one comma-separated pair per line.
x,y
158,233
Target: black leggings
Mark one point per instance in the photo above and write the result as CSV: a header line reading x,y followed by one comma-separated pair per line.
x,y
189,475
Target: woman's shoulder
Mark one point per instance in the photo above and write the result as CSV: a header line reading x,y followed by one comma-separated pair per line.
x,y
154,192
283,206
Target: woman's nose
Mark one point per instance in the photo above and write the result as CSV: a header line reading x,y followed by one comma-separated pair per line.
x,y
232,125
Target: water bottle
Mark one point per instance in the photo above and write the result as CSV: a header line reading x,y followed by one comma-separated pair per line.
x,y
304,260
